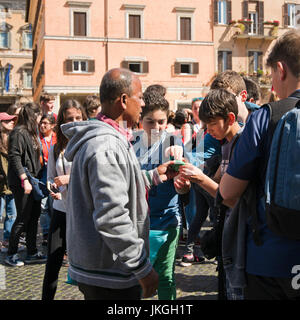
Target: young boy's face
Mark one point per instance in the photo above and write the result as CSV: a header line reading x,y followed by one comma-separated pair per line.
x,y
154,123
218,128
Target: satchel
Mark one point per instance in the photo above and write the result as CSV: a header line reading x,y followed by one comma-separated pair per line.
x,y
39,188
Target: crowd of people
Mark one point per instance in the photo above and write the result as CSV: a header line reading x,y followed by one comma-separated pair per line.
x,y
124,175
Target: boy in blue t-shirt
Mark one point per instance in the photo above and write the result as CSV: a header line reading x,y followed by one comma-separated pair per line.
x,y
268,266
219,111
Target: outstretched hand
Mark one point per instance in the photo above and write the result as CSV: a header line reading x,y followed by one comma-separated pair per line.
x,y
192,173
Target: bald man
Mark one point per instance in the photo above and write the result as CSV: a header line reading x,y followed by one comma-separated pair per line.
x,y
107,215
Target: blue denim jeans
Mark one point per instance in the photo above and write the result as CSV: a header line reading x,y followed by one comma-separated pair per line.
x,y
8,203
45,218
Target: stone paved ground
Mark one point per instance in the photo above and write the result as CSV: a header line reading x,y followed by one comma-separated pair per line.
x,y
197,282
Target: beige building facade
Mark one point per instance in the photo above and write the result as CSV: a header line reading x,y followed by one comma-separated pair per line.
x,y
15,54
179,44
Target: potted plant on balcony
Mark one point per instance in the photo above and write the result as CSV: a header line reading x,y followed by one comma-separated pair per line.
x,y
259,73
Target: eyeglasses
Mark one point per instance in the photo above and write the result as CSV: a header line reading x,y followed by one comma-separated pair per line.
x,y
45,123
7,121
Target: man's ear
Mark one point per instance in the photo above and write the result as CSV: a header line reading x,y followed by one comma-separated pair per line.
x,y
123,100
243,95
282,69
231,118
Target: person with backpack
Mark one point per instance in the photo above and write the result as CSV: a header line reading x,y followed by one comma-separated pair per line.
x,y
219,111
272,245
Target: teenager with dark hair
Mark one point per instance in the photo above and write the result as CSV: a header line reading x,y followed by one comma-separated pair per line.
x,y
58,174
24,151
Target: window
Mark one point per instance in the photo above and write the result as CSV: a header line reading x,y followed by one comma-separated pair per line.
x,y
222,11
185,23
253,27
255,61
3,40
186,68
254,11
224,60
79,18
27,40
185,28
5,35
27,78
79,65
291,15
134,21
136,66
134,26
80,24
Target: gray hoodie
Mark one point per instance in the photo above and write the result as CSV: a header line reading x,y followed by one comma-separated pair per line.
x,y
107,211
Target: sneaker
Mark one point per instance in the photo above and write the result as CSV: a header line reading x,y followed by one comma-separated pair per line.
x,y
14,261
5,245
189,259
36,258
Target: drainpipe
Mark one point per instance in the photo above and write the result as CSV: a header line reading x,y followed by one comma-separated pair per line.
x,y
106,33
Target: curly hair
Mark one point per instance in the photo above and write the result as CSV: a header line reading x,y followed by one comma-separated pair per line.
x,y
154,100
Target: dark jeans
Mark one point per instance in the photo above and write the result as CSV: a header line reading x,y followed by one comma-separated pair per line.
x,y
267,288
55,252
203,203
28,213
100,293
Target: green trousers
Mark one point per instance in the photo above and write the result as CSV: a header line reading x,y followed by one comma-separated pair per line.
x,y
163,245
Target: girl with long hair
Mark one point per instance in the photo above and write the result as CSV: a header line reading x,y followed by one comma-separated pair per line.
x,y
7,123
58,174
24,151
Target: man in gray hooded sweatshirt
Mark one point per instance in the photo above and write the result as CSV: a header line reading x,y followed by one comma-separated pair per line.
x,y
107,211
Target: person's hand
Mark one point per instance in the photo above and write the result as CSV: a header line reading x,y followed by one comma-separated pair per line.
x,y
192,173
61,180
55,196
181,184
166,172
176,152
149,284
27,186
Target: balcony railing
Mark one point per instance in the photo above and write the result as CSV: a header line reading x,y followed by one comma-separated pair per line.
x,y
249,29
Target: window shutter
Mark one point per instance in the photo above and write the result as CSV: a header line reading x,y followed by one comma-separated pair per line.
x,y
245,14
134,26
285,15
91,66
8,39
220,61
195,68
80,24
251,61
145,67
215,11
260,17
229,60
177,67
125,64
229,12
68,65
185,28
260,60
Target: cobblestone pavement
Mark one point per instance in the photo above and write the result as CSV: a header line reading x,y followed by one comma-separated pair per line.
x,y
196,282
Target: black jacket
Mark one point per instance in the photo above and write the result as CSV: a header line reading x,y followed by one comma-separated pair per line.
x,y
21,153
